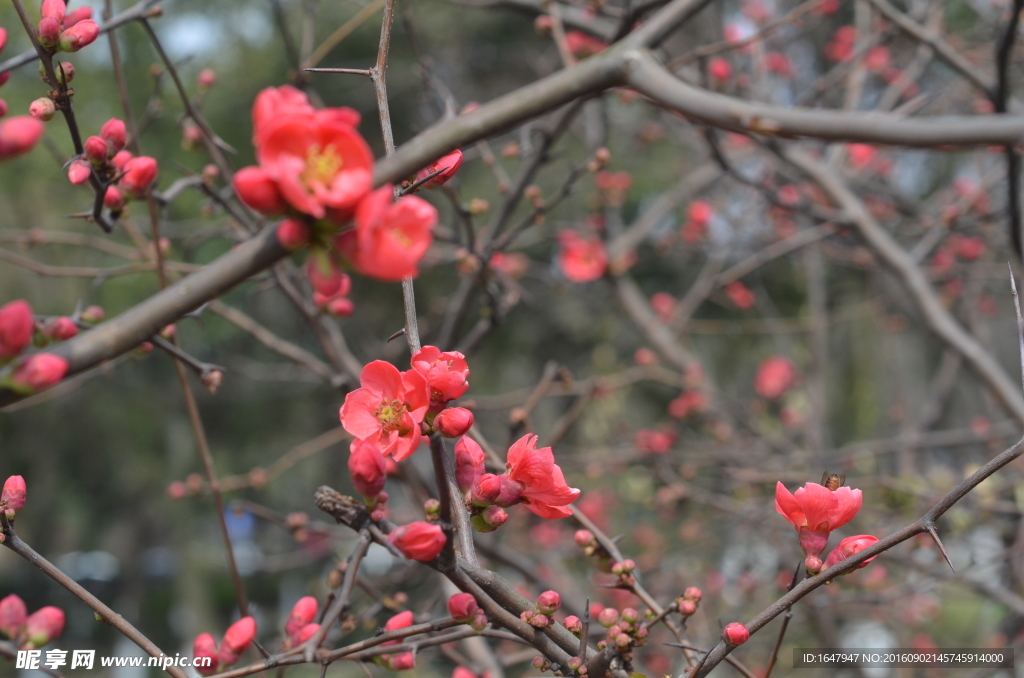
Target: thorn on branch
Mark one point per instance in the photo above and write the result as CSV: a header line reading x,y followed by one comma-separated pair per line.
x,y
942,549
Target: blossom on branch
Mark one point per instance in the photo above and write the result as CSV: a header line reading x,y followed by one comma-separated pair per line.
x,y
814,510
388,410
421,541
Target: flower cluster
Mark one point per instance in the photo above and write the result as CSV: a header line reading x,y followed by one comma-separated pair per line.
x,y
815,510
531,478
29,631
236,640
126,177
624,629
33,373
62,31
315,168
464,608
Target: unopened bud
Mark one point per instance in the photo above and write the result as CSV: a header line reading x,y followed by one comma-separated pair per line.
x,y
574,663
65,72
49,32
432,507
693,593
96,150
574,625
462,607
735,633
548,602
453,422
583,537
78,36
813,565
42,109
607,617
478,206
43,626
12,498
630,616
687,607
623,640
540,621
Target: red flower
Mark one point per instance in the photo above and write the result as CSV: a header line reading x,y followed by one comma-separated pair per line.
x,y
388,409
774,377
389,239
814,511
448,164
446,373
12,616
545,491
317,159
205,647
275,103
418,541
581,259
469,463
18,135
38,372
851,546
366,466
16,327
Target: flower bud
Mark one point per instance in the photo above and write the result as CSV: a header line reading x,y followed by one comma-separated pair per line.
x,y
121,159
851,546
78,172
65,72
486,489
540,663
140,173
420,541
3,38
735,633
340,307
687,607
18,135
236,640
38,372
78,36
17,325
693,593
13,614
323,273
93,314
548,602
812,564
539,621
42,626
60,329
448,164
115,134
43,109
77,16
607,617
402,662
96,150
113,199
206,79
402,620
453,422
574,625
255,188
292,234
623,640
366,466
303,612
469,463
48,31
3,104
479,622
462,606
574,663
630,616
583,538
305,633
53,9
205,646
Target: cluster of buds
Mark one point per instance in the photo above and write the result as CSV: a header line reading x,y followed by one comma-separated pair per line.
x,y
547,604
402,661
236,640
301,626
124,176
60,328
62,31
464,608
331,286
687,603
29,632
447,374
44,108
577,665
624,629
437,173
32,373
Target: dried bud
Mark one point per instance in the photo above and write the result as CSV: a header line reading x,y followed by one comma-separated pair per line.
x,y
735,633
42,109
453,422
462,607
548,602
42,626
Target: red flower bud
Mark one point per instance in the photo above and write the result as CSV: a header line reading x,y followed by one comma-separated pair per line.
x,y
236,640
121,159
13,614
96,150
207,78
462,606
469,463
324,274
292,234
16,326
115,134
574,625
140,173
693,593
48,31
78,172
305,633
65,72
340,307
3,38
851,546
303,612
548,602
583,538
60,329
93,314
402,620
53,9
78,36
402,662
113,199
256,189
494,516
448,164
3,104
812,564
205,646
77,16
607,617
42,626
687,607
735,633
418,541
38,372
43,109
486,489
18,135
366,465
453,422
